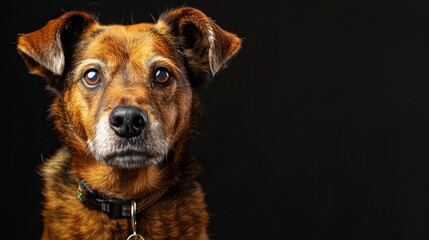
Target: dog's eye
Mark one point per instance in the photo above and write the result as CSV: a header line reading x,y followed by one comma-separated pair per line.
x,y
162,76
91,78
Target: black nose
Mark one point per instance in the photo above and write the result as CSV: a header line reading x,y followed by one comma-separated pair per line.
x,y
127,121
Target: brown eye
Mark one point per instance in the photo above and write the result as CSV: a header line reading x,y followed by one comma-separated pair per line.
x,y
91,78
162,76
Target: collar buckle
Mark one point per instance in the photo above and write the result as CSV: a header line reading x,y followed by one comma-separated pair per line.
x,y
94,201
112,207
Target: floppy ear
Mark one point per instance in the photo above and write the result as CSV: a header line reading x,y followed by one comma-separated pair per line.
x,y
207,47
44,50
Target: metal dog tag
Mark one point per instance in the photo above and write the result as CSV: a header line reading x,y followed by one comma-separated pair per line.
x,y
135,236
133,220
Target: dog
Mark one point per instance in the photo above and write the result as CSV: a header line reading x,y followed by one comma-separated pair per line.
x,y
125,104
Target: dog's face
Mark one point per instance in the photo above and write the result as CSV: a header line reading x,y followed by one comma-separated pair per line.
x,y
130,92
126,93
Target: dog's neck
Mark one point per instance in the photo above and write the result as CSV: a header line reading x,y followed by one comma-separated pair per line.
x,y
124,183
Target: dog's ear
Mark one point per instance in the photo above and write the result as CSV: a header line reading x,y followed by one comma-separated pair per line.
x,y
207,47
44,51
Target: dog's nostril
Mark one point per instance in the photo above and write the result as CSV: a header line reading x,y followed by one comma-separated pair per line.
x,y
139,121
116,121
127,121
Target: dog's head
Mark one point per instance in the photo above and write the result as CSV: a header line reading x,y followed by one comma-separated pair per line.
x,y
126,93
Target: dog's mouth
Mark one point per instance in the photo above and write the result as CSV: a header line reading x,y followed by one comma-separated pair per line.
x,y
139,154
131,159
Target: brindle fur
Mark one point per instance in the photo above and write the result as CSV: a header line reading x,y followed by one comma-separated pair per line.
x,y
195,48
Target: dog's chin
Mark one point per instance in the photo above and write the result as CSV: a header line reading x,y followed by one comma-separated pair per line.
x,y
131,160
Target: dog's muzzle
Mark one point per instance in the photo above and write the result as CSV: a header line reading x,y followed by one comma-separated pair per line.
x,y
127,138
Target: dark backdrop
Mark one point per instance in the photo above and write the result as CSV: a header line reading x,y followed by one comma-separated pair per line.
x,y
317,130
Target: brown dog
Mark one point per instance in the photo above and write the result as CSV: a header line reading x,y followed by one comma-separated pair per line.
x,y
125,104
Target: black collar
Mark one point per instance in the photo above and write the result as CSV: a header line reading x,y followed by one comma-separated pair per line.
x,y
115,208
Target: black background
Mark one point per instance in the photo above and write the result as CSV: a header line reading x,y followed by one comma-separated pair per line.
x,y
317,130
